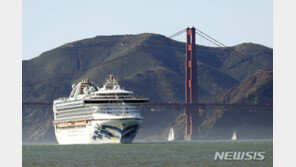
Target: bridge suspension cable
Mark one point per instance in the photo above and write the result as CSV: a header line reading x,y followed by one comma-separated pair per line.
x,y
106,62
236,53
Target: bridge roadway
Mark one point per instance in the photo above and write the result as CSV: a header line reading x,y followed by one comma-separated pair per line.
x,y
154,105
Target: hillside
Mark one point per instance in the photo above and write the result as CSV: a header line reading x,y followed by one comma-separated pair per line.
x,y
157,73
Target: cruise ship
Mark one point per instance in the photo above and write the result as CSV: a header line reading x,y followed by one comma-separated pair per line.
x,y
94,115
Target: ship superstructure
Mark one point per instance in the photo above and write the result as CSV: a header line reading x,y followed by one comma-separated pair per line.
x,y
97,115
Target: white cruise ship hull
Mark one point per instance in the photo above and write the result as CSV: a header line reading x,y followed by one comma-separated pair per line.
x,y
100,132
93,115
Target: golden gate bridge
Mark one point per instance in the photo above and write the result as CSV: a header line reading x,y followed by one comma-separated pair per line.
x,y
191,105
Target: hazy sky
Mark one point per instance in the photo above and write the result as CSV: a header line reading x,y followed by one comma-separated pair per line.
x,y
50,23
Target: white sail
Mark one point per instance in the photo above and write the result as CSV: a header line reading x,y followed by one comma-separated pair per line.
x,y
234,136
171,135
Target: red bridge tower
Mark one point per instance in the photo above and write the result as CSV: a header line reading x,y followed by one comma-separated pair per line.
x,y
192,114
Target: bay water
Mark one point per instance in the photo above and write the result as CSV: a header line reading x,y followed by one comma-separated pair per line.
x,y
177,153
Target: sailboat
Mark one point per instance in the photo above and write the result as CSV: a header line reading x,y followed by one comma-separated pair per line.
x,y
171,135
234,136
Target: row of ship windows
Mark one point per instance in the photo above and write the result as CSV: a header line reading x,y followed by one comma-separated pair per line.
x,y
100,109
88,113
69,105
68,113
74,114
65,101
74,110
59,102
105,108
116,108
119,112
102,97
71,127
115,112
113,97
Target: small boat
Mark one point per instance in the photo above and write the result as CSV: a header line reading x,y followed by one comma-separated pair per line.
x,y
171,135
233,136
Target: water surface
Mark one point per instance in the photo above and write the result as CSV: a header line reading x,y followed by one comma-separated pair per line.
x,y
179,153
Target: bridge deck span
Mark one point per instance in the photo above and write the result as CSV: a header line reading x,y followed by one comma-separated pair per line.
x,y
153,105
